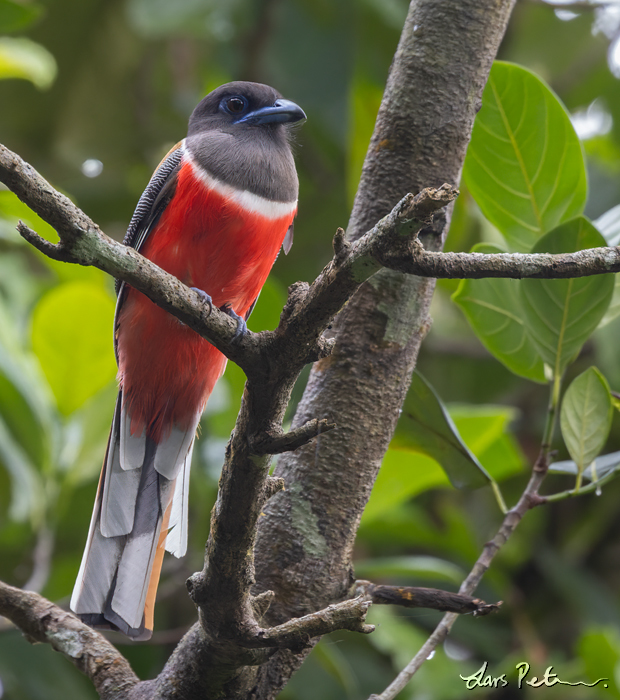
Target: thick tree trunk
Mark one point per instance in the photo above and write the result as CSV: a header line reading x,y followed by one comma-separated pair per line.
x,y
424,124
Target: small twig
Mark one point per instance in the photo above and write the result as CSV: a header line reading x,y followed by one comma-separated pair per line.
x,y
430,598
42,621
341,245
288,442
592,486
437,637
529,499
297,633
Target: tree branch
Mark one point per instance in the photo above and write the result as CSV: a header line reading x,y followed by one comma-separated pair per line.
x,y
42,621
295,634
288,442
593,261
428,598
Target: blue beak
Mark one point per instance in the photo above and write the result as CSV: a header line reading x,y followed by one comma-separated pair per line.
x,y
280,112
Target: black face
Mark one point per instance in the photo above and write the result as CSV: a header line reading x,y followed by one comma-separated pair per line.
x,y
241,103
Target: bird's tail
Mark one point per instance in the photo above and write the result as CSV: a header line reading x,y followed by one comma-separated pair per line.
x,y
140,510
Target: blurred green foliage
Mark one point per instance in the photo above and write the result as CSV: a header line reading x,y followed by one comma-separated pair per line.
x,y
94,93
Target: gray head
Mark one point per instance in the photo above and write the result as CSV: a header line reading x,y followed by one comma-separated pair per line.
x,y
239,133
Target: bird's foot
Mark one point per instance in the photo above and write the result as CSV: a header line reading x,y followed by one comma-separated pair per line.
x,y
242,326
205,298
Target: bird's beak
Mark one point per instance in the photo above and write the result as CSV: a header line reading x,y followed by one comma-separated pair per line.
x,y
281,111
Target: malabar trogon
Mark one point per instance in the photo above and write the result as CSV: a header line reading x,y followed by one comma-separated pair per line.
x,y
214,214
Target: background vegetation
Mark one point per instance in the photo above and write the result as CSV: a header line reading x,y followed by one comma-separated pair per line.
x,y
93,94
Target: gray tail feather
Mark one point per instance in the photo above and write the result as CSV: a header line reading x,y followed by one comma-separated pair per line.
x,y
114,578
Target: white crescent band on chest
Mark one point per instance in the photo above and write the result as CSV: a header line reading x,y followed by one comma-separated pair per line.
x,y
249,201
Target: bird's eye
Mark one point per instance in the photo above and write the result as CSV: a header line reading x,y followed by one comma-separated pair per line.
x,y
235,105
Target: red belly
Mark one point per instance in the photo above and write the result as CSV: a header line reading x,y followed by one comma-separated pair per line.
x,y
166,370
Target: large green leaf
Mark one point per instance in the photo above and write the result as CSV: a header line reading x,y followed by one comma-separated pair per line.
x,y
479,431
15,16
585,417
561,314
22,58
72,337
425,426
403,475
524,165
485,430
493,309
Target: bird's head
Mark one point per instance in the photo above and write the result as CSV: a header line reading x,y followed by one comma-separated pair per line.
x,y
243,105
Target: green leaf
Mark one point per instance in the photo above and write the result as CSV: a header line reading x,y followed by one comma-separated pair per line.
x,y
608,224
585,418
27,497
72,337
15,16
403,475
26,402
599,648
524,166
493,309
561,314
11,211
406,567
23,406
613,310
600,467
405,472
425,426
334,662
85,436
485,430
22,58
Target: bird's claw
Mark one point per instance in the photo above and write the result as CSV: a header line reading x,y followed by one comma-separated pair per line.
x,y
242,326
205,298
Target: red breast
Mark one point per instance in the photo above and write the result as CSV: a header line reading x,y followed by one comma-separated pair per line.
x,y
214,237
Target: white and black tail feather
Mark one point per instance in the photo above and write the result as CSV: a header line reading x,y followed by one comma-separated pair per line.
x,y
139,510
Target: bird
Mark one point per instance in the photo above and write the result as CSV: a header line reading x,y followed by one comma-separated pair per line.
x,y
215,214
